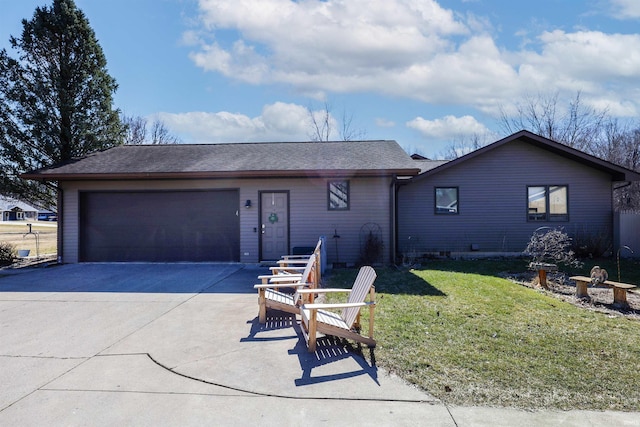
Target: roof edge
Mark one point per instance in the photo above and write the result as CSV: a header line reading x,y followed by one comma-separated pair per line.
x,y
220,175
618,173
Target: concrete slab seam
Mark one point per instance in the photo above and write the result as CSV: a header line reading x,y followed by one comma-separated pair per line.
x,y
43,386
284,396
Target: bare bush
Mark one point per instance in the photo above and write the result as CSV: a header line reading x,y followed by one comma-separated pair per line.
x,y
551,245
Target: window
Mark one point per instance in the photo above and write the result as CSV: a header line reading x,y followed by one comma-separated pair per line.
x,y
548,203
338,195
446,200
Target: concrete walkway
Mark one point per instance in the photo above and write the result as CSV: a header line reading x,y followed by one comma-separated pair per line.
x,y
179,344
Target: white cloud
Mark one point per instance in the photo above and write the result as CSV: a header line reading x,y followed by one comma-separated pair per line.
x,y
448,127
588,56
410,49
277,122
603,67
328,45
626,9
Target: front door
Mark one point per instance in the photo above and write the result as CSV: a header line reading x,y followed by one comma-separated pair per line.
x,y
274,223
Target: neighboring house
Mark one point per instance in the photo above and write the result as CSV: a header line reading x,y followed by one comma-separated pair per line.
x,y
493,199
252,202
244,202
15,210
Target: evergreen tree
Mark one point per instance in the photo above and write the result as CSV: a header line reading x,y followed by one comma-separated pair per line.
x,y
55,99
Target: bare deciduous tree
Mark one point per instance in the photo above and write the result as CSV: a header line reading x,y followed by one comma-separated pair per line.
x,y
160,134
136,129
324,125
576,125
347,131
463,145
137,133
321,124
622,147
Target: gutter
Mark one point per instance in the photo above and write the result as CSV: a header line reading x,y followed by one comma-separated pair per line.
x,y
114,176
628,183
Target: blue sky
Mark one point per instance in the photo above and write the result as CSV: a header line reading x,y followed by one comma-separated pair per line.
x,y
422,72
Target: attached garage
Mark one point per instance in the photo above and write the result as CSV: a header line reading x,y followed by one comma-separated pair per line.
x,y
221,202
159,226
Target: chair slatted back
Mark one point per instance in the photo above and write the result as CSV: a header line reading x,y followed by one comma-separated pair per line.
x,y
308,275
361,287
318,271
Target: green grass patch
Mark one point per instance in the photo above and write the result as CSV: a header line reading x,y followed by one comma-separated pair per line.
x,y
468,337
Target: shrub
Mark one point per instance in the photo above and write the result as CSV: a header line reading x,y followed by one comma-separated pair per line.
x,y
551,245
372,250
7,253
591,245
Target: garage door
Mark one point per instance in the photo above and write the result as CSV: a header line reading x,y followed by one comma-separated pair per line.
x,y
162,226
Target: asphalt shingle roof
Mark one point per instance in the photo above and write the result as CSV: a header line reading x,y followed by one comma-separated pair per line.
x,y
239,159
7,204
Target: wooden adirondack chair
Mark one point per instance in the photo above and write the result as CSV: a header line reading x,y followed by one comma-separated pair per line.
x,y
318,318
294,259
297,263
270,296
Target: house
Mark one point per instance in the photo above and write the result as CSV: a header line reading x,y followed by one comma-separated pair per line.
x,y
15,210
246,202
252,202
493,199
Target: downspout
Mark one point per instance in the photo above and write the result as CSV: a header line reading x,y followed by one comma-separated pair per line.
x,y
628,183
615,220
393,220
60,214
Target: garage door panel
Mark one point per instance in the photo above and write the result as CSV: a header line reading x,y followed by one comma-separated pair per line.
x,y
160,226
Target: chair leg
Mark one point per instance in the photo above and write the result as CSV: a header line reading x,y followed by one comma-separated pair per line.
x,y
311,344
262,306
371,321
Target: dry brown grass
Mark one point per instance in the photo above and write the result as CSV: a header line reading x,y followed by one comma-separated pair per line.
x,y
14,233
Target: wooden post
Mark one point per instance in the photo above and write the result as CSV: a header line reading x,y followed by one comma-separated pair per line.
x,y
542,268
620,297
262,305
581,289
542,275
312,330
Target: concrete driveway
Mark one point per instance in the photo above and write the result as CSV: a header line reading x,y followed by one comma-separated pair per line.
x,y
179,344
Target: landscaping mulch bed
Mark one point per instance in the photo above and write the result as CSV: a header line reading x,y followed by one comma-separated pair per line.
x,y
601,298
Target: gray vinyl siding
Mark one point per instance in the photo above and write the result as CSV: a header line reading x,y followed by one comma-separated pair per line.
x,y
493,202
309,217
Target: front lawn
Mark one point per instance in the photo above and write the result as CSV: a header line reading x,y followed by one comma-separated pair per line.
x,y
468,337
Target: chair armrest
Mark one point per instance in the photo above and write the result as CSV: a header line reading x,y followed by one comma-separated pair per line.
x,y
285,269
323,291
281,277
330,306
293,257
293,261
273,285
